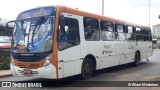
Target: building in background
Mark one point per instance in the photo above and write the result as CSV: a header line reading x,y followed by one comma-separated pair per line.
x,y
156,31
3,31
3,21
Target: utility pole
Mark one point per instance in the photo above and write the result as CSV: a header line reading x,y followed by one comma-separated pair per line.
x,y
149,13
102,7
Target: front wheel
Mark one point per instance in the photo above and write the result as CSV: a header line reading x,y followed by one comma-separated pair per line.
x,y
87,68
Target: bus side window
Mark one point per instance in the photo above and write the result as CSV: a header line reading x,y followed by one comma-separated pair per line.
x,y
139,36
107,31
69,35
120,29
91,29
130,33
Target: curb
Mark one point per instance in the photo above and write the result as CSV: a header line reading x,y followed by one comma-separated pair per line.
x,y
156,49
6,75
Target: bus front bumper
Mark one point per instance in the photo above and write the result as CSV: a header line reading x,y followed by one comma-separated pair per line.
x,y
43,72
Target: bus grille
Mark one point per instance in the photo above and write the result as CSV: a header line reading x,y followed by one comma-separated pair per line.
x,y
28,58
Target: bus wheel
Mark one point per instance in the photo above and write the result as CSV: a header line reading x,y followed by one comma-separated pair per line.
x,y
137,59
87,68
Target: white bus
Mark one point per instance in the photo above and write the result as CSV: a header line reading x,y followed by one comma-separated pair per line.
x,y
58,41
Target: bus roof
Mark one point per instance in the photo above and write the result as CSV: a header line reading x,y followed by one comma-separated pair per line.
x,y
62,8
83,13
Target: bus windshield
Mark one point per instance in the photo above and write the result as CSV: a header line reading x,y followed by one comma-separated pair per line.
x,y
33,35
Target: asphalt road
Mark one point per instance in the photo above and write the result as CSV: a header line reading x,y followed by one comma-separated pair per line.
x,y
146,71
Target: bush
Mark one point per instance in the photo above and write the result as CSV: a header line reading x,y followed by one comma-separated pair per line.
x,y
4,62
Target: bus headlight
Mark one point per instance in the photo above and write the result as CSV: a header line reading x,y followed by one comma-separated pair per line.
x,y
12,60
47,60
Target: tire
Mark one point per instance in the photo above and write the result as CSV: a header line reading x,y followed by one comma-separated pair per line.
x,y
137,59
87,68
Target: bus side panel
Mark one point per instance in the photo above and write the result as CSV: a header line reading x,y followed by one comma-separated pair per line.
x,y
68,68
109,61
139,47
120,51
108,57
84,49
146,50
87,48
60,69
70,56
92,48
78,66
130,51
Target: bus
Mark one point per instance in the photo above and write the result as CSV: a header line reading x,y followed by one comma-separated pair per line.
x,y
58,41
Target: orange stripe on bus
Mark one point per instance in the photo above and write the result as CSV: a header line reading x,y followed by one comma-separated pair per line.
x,y
29,64
54,60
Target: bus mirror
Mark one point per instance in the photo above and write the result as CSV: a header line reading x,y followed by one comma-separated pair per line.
x,y
62,21
9,28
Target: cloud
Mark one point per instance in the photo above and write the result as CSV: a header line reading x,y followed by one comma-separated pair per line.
x,y
144,3
139,3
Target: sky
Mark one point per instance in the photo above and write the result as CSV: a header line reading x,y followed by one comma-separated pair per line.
x,y
136,11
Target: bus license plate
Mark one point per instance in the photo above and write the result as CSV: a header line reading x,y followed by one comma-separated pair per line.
x,y
27,72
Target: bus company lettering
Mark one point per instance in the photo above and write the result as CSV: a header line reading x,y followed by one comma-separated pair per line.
x,y
106,52
106,49
107,46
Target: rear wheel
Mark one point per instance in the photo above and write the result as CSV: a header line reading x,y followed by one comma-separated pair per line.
x,y
87,68
137,59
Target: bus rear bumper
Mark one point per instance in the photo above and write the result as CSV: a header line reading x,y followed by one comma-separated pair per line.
x,y
44,72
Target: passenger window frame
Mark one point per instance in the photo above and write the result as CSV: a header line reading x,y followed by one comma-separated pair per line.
x,y
120,32
91,29
102,25
69,41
